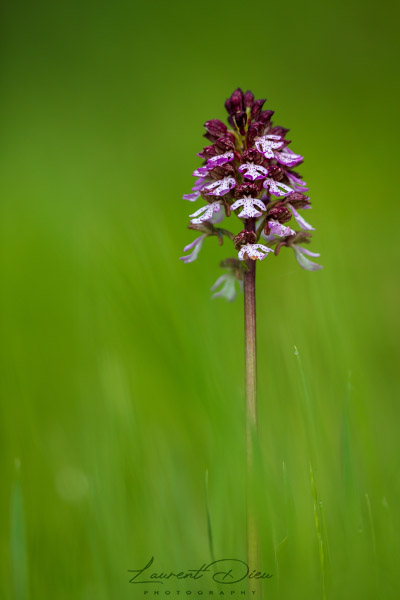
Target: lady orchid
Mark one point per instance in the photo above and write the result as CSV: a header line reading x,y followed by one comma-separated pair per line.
x,y
248,171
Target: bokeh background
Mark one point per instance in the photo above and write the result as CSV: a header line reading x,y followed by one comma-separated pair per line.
x,y
121,380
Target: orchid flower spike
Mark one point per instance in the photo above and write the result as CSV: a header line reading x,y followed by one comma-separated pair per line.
x,y
247,173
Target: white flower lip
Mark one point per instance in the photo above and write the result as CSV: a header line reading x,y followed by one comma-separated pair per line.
x,y
205,213
248,204
254,251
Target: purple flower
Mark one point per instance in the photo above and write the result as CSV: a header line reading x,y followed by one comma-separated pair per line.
x,y
254,251
221,159
214,161
277,188
206,212
279,229
252,171
248,204
215,129
306,264
196,245
247,169
220,187
196,189
201,172
288,158
267,144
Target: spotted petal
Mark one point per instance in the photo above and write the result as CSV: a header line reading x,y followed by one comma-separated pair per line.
x,y
201,172
220,187
214,161
205,213
288,158
302,222
278,229
267,143
248,204
254,251
252,171
277,188
221,159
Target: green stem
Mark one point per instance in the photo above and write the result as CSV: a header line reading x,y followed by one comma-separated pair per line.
x,y
251,401
250,350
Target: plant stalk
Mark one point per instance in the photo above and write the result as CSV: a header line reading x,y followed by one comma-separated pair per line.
x,y
250,352
251,402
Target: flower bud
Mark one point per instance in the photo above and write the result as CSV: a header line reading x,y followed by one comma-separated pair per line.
x,y
241,120
248,99
225,170
209,152
265,116
256,109
280,213
234,104
243,238
254,131
248,189
215,127
225,143
252,155
276,173
298,200
277,130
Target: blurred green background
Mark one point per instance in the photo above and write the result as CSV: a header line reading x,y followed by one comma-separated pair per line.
x,y
121,381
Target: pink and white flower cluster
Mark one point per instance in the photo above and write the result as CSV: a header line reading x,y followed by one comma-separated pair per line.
x,y
248,170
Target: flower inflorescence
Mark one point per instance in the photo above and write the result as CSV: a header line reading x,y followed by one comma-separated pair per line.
x,y
248,170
